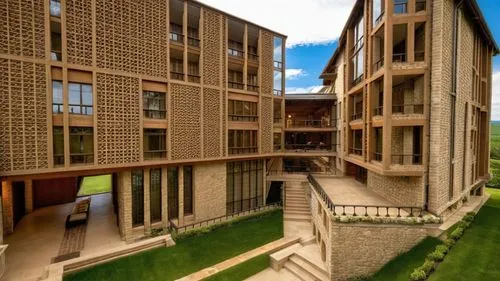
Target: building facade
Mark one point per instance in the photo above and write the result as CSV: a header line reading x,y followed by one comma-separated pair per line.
x,y
413,84
174,98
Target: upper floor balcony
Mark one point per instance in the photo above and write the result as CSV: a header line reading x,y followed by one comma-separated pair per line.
x,y
310,112
310,142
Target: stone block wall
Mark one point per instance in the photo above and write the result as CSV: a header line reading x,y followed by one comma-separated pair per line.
x,y
404,191
322,220
209,191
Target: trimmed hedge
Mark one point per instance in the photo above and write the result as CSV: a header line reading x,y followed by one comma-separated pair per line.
x,y
438,255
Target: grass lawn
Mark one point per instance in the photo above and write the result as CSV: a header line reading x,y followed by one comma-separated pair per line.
x,y
400,268
495,155
243,270
95,185
190,254
475,257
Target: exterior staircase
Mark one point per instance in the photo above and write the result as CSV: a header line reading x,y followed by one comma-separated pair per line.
x,y
297,206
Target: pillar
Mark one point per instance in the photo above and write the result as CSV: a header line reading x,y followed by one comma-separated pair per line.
x,y
28,196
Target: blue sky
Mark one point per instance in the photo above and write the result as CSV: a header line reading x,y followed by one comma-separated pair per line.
x,y
313,27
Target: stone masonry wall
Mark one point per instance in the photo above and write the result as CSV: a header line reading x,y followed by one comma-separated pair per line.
x,y
209,191
406,191
368,247
321,220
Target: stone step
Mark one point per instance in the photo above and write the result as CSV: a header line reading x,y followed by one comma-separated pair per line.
x,y
293,212
296,204
317,270
295,208
294,196
279,258
297,271
298,201
294,217
309,268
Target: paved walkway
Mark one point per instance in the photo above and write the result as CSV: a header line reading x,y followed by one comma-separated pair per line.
x,y
37,237
473,205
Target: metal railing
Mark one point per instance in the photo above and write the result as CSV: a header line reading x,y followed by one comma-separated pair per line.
x,y
311,147
301,170
378,64
81,158
57,108
242,117
408,109
357,80
193,42
194,78
235,52
243,150
401,57
377,156
356,151
379,18
419,55
357,116
58,159
176,37
277,120
155,113
310,124
253,57
378,111
155,154
278,93
363,210
406,159
252,88
80,109
277,147
235,85
176,75
173,227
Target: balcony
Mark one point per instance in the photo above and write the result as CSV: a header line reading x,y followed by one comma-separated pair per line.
x,y
294,123
379,19
176,75
378,64
176,37
193,42
357,116
155,154
356,151
311,147
155,114
194,78
236,85
252,88
242,150
400,57
377,156
408,109
378,111
406,159
81,158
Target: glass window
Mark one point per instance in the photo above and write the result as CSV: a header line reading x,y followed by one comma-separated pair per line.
x,y
400,6
278,78
154,104
55,8
244,186
173,192
155,144
242,111
137,198
420,5
80,98
57,97
81,145
55,46
278,49
58,145
188,190
155,194
242,141
378,11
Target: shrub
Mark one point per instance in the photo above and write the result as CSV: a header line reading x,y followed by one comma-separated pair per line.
x,y
428,266
359,278
468,218
457,233
442,248
450,242
418,275
463,224
436,256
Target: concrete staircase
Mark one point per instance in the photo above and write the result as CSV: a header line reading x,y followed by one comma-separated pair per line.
x,y
302,261
297,207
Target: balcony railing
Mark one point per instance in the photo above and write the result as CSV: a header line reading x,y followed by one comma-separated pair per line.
x,y
277,147
235,53
155,154
311,147
80,109
194,78
193,42
406,159
401,57
81,158
252,88
58,159
253,57
378,111
357,116
377,156
356,151
177,37
278,65
242,150
277,120
176,75
235,85
378,64
278,93
241,117
155,113
357,80
57,108
379,18
408,109
419,55
310,124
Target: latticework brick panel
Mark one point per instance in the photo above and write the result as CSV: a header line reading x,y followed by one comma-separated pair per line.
x,y
186,117
118,119
267,125
79,31
211,123
211,48
132,36
267,53
22,28
23,135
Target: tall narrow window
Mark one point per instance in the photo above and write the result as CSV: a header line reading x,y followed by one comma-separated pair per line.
x,y
80,98
244,186
56,42
137,198
420,5
378,11
399,44
155,144
154,104
357,60
188,190
55,8
155,194
278,66
57,97
419,41
58,146
81,145
173,192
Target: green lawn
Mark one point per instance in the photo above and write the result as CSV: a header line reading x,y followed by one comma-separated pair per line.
x,y
243,270
95,185
400,268
190,254
495,155
475,257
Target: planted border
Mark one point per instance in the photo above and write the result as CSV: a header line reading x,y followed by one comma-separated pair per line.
x,y
439,254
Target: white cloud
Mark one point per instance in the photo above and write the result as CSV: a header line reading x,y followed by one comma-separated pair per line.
x,y
304,22
495,103
295,73
305,90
